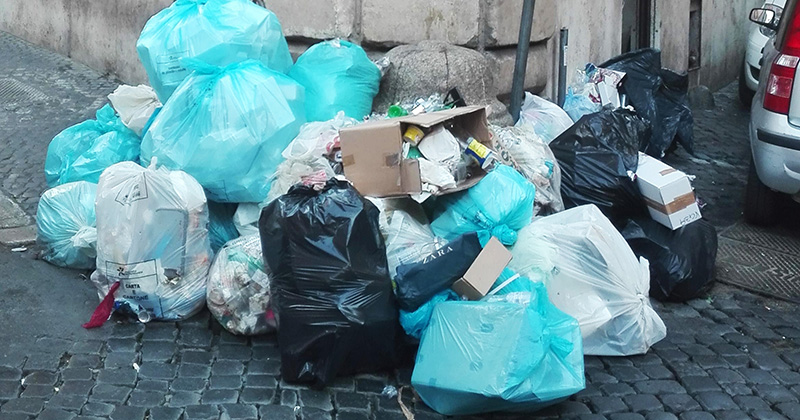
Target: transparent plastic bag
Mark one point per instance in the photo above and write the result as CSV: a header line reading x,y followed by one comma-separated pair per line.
x,y
246,218
515,352
218,32
596,278
338,76
305,155
83,151
135,105
523,149
545,118
152,238
65,222
227,126
238,288
498,205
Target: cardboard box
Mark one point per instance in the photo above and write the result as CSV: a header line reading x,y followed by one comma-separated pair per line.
x,y
668,193
484,271
372,152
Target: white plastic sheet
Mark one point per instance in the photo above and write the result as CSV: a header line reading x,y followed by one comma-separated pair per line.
x,y
152,238
596,278
238,288
135,105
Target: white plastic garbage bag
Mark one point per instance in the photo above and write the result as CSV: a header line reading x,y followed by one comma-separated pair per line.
x,y
238,288
596,279
546,119
135,105
152,237
246,218
521,148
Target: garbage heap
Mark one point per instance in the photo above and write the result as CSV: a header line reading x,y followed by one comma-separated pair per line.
x,y
268,192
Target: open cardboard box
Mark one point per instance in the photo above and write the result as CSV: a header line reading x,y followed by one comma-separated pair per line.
x,y
372,152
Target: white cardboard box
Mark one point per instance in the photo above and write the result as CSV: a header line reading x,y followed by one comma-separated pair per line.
x,y
668,193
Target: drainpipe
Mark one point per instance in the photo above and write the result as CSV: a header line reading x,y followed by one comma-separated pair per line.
x,y
523,45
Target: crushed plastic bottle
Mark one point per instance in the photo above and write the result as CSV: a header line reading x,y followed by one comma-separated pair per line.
x,y
389,391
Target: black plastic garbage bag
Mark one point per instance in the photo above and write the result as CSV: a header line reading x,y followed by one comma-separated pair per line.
x,y
681,261
660,96
418,282
598,156
331,291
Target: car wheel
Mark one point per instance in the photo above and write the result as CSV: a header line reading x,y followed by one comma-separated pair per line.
x,y
745,94
760,202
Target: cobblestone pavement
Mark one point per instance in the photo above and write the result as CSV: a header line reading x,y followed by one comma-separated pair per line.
x,y
732,355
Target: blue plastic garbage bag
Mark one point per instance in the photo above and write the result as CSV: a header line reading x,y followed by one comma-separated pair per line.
x,y
82,152
515,352
218,32
499,205
338,76
65,221
578,104
414,323
227,126
220,224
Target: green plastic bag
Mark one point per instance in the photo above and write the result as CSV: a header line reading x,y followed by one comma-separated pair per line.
x,y
514,352
218,32
65,221
82,152
338,76
226,127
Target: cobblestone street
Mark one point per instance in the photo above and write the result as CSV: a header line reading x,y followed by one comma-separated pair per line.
x,y
732,355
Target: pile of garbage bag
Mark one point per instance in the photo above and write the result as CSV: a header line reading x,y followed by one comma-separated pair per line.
x,y
239,288
332,296
258,190
83,151
152,239
226,127
65,224
217,32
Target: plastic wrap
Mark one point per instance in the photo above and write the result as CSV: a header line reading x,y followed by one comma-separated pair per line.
x,y
306,154
331,290
152,238
238,288
227,127
218,32
135,105
515,352
338,76
498,205
596,279
598,157
65,222
83,151
521,148
419,281
660,96
682,261
221,228
545,118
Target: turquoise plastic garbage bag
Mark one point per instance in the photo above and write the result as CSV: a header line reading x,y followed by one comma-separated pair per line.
x,y
499,205
414,323
220,224
515,352
65,221
218,32
578,104
227,126
338,76
82,152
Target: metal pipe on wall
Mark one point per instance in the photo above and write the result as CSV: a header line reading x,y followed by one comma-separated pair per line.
x,y
523,45
562,66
